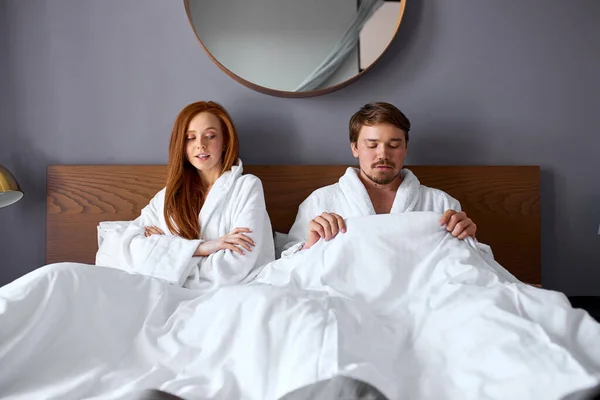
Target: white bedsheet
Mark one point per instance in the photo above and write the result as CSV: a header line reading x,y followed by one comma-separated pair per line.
x,y
395,301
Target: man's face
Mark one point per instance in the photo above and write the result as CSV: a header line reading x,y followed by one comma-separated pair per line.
x,y
380,150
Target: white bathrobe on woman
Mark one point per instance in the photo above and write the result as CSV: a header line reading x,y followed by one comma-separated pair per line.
x,y
234,201
349,198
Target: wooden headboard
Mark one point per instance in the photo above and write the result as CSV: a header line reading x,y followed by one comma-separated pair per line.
x,y
504,202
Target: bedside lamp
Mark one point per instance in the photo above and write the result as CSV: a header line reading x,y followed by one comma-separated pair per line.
x,y
10,192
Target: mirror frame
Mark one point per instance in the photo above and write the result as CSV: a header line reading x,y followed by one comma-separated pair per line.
x,y
288,94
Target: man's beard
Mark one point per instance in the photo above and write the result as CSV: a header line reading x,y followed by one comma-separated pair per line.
x,y
386,177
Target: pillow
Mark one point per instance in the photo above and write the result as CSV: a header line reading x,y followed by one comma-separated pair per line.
x,y
109,241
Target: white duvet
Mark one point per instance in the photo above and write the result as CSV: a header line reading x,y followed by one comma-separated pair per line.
x,y
396,301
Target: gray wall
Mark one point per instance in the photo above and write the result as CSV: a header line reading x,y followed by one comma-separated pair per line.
x,y
483,83
11,248
5,114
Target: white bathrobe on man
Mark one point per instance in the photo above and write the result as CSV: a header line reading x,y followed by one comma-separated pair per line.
x,y
235,201
349,198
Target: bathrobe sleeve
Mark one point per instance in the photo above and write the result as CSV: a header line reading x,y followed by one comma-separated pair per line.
x,y
167,257
298,234
247,210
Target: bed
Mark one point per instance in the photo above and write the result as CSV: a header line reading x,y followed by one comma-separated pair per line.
x,y
396,302
504,201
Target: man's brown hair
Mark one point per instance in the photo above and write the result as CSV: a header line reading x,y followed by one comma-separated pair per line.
x,y
378,113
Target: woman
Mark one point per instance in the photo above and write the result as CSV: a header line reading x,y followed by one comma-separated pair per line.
x,y
209,226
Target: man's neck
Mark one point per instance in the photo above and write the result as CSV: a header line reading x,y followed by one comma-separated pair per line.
x,y
381,196
376,187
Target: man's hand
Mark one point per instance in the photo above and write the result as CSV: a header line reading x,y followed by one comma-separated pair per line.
x,y
458,224
326,226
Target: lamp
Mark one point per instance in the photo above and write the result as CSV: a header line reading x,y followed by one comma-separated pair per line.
x,y
10,192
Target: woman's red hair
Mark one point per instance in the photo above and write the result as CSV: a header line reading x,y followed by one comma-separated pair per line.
x,y
185,192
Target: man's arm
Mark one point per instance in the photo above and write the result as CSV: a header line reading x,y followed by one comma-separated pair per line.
x,y
298,234
312,223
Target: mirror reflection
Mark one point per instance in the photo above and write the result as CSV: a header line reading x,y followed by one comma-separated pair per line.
x,y
295,45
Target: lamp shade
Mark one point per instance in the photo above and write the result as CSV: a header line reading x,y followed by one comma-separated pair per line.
x,y
10,192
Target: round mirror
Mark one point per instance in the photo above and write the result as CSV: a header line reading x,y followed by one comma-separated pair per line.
x,y
295,48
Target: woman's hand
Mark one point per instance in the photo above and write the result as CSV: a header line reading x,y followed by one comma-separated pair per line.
x,y
153,230
235,240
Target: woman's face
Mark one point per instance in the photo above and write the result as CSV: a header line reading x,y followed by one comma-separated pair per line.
x,y
205,143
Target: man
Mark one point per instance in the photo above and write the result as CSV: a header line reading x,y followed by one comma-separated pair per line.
x,y
379,140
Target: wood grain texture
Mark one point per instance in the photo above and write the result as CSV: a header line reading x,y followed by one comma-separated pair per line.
x,y
503,201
